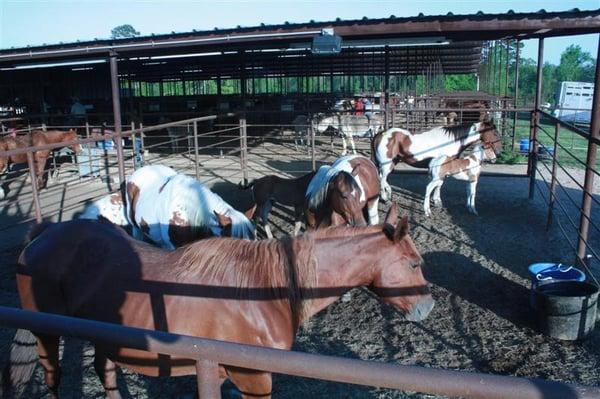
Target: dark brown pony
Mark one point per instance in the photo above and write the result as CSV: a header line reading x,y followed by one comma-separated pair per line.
x,y
250,292
274,189
35,138
342,193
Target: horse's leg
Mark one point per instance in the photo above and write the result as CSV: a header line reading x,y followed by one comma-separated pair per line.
x,y
265,209
344,145
426,202
386,190
373,209
107,372
437,198
48,352
297,219
251,384
351,138
471,192
40,166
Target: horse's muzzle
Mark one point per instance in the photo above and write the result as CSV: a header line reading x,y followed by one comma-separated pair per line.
x,y
421,310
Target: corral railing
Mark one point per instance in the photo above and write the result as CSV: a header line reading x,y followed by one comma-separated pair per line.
x,y
562,169
210,354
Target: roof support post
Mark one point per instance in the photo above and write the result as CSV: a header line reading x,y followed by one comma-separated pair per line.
x,y
386,86
533,144
516,94
116,100
586,204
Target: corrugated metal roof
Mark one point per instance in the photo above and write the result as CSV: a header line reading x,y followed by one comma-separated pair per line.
x,y
454,27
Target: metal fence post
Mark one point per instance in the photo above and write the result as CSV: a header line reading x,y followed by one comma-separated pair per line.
x,y
142,143
115,91
553,179
209,383
312,148
196,150
133,154
243,133
89,149
590,165
34,187
533,152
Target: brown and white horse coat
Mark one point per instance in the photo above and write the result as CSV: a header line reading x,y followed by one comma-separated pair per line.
x,y
467,168
395,145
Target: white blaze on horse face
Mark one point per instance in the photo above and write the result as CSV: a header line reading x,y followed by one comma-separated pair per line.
x,y
343,164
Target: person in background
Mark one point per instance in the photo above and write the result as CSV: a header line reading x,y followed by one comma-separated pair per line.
x,y
368,105
359,106
77,112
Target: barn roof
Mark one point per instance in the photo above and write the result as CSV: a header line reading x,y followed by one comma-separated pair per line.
x,y
451,42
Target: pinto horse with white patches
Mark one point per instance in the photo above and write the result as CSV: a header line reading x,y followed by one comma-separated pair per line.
x,y
110,207
466,168
395,145
173,209
341,193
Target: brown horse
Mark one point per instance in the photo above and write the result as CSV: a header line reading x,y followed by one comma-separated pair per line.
x,y
250,292
395,145
342,193
271,189
36,138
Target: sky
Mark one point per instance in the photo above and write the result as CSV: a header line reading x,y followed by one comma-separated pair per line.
x,y
34,22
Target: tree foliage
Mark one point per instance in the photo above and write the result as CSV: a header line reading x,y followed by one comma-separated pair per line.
x,y
123,31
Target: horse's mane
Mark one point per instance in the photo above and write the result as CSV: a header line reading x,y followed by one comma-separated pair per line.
x,y
279,269
458,132
316,193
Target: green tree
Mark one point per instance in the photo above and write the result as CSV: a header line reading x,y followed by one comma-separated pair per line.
x,y
123,31
460,82
575,65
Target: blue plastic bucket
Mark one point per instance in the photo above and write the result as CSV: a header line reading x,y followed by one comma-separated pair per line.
x,y
544,273
524,145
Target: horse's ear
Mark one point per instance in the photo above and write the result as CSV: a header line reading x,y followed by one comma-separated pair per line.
x,y
224,221
250,212
355,170
401,229
392,215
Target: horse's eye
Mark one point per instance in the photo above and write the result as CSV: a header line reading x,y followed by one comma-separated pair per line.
x,y
415,264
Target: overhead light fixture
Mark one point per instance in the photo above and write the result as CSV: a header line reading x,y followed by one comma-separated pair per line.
x,y
53,64
398,42
326,43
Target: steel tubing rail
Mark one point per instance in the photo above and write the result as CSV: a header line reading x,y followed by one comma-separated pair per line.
x,y
385,375
573,128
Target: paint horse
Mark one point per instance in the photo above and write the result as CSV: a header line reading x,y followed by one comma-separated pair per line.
x,y
249,292
395,145
110,207
466,168
40,157
274,189
172,209
341,193
348,126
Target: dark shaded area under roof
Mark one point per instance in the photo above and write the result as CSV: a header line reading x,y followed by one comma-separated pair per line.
x,y
460,52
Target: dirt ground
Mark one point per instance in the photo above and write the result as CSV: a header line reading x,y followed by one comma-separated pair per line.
x,y
477,266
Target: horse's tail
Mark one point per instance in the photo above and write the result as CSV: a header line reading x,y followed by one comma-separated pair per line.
x,y
244,185
36,230
21,363
374,143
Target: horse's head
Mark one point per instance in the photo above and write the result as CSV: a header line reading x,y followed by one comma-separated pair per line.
x,y
237,224
344,200
489,137
71,135
398,277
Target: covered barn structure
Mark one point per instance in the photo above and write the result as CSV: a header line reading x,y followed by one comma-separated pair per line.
x,y
229,101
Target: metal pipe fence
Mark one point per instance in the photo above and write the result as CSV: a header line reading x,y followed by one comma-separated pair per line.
x,y
208,354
